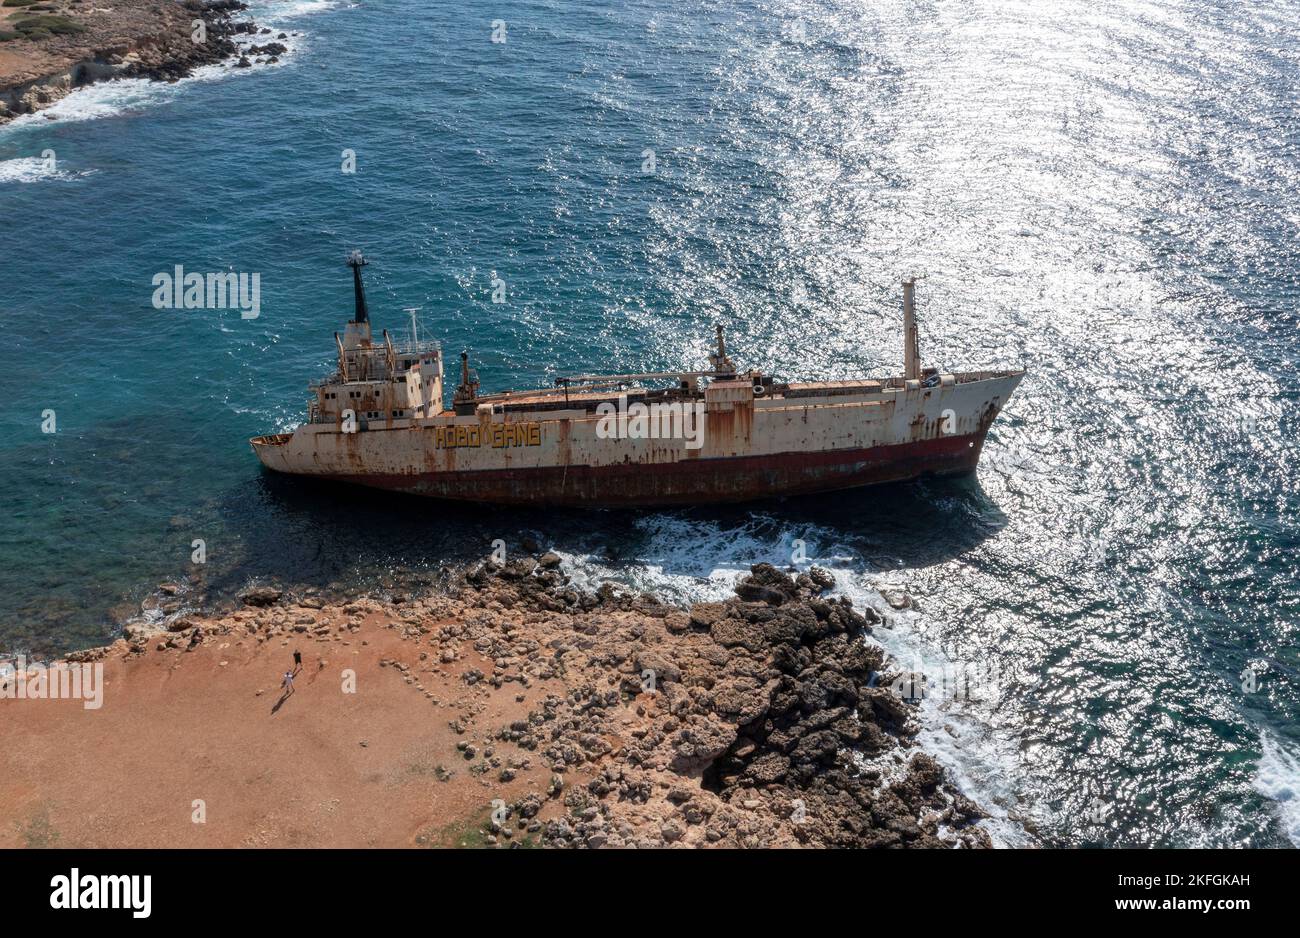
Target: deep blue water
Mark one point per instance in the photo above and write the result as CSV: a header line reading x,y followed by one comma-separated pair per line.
x,y
1102,192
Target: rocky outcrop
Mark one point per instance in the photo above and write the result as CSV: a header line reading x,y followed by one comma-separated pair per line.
x,y
768,724
764,720
132,39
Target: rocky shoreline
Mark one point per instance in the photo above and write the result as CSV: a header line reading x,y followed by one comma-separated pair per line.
x,y
51,48
612,720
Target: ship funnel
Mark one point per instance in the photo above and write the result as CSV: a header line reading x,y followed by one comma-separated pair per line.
x,y
911,351
356,262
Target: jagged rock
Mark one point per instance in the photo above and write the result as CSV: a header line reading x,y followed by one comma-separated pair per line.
x,y
897,599
704,615
736,632
757,593
260,596
768,768
664,670
677,622
821,578
517,569
767,584
142,631
528,806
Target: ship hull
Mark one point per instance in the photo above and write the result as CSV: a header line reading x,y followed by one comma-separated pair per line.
x,y
728,479
745,451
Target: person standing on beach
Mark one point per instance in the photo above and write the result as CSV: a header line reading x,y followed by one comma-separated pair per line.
x,y
297,661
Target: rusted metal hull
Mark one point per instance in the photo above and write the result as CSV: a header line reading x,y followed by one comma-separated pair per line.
x,y
729,479
748,449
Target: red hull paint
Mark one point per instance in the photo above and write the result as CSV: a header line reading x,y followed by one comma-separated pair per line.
x,y
694,481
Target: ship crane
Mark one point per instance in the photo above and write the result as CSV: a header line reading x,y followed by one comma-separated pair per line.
x,y
466,396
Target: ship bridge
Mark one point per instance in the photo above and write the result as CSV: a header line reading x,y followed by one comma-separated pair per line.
x,y
378,382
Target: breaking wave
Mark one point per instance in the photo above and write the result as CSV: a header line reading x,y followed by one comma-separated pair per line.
x,y
272,12
1278,777
114,98
34,169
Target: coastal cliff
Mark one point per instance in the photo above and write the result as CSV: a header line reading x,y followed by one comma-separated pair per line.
x,y
502,708
49,48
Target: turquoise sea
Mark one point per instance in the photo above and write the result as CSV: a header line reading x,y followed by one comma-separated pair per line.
x,y
1102,192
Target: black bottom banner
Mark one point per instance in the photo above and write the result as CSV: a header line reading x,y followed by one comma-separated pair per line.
x,y
141,888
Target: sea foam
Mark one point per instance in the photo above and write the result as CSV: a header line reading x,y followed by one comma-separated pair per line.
x,y
27,169
1278,777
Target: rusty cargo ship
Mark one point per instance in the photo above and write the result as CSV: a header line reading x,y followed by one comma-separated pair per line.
x,y
715,435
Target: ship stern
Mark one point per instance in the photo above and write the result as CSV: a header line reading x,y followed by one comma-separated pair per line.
x,y
271,450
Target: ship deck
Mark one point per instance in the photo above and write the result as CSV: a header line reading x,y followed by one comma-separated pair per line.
x,y
588,398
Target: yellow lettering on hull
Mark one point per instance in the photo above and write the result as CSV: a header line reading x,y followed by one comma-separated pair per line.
x,y
496,435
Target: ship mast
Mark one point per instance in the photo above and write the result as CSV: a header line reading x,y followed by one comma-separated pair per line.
x,y
911,350
415,338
